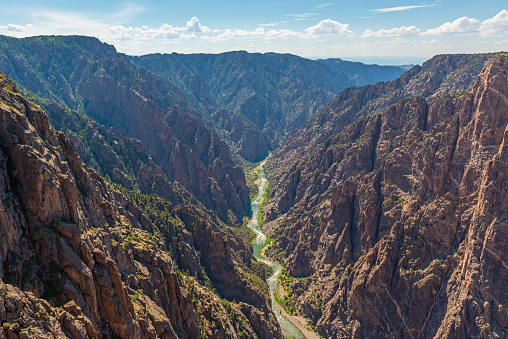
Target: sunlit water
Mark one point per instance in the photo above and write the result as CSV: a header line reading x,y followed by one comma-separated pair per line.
x,y
288,327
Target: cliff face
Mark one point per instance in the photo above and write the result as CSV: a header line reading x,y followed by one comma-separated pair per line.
x,y
275,92
80,259
397,223
441,74
91,77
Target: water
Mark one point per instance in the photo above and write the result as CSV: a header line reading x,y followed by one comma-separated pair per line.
x,y
288,327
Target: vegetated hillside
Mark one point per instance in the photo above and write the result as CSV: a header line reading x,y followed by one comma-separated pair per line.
x,y
276,92
362,74
80,259
396,225
92,78
441,74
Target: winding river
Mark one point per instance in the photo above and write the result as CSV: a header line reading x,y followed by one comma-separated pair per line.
x,y
288,328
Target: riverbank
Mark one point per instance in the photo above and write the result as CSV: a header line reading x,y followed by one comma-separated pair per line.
x,y
288,328
293,326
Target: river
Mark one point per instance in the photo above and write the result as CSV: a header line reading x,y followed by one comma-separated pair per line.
x,y
288,328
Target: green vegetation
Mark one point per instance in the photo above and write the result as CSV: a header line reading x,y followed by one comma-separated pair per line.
x,y
287,301
135,296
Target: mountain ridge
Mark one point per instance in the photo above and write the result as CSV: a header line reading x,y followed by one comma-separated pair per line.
x,y
80,259
91,77
390,217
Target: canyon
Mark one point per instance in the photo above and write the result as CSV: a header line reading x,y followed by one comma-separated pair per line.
x,y
127,185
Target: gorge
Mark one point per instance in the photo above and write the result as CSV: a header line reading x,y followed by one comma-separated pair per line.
x,y
125,185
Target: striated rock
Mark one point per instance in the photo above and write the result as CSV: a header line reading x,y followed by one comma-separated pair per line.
x,y
105,86
102,266
439,75
249,142
394,225
274,92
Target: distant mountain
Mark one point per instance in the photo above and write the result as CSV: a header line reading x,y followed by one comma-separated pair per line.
x,y
389,207
276,92
362,74
92,78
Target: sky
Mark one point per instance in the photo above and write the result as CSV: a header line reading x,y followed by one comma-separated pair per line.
x,y
393,31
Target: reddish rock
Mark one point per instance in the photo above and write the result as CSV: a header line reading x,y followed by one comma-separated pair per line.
x,y
398,219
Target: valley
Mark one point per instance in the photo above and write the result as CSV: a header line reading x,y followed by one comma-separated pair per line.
x,y
288,328
134,195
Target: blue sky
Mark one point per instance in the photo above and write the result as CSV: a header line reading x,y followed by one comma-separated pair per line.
x,y
325,28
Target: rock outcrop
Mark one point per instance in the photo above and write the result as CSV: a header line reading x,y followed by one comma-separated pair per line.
x,y
441,74
80,259
396,224
92,78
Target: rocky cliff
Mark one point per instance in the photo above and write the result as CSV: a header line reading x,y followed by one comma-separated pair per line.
x,y
80,259
396,224
90,77
275,92
441,74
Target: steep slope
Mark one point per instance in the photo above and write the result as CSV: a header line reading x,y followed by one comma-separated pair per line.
x,y
396,225
79,259
362,74
441,74
91,77
277,92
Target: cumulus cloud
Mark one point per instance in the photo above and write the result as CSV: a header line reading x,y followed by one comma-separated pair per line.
x,y
402,31
14,28
165,31
459,26
496,24
194,26
329,27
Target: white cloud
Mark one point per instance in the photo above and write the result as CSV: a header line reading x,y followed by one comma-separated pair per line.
x,y
397,9
402,31
323,5
300,16
241,34
14,28
283,34
194,26
272,24
493,25
259,32
166,31
329,27
459,26
431,42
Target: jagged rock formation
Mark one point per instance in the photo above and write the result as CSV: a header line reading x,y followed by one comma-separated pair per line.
x,y
275,92
80,259
91,77
396,223
441,74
